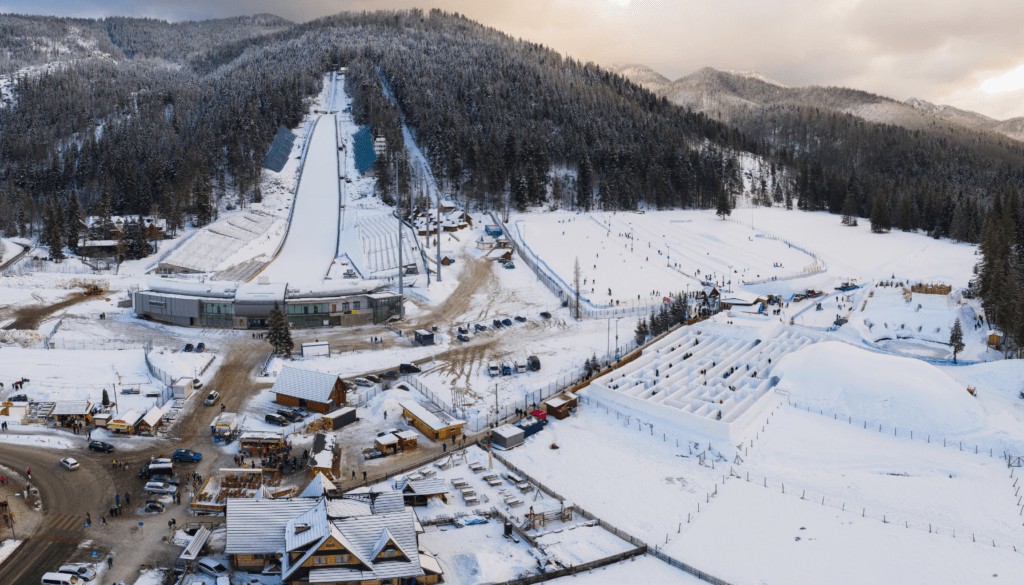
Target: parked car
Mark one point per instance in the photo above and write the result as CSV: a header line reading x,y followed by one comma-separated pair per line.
x,y
408,369
83,573
276,419
519,366
156,467
506,322
373,378
189,347
479,327
493,369
534,362
462,338
392,375
510,265
171,479
153,507
156,487
506,369
211,567
520,318
19,398
362,382
70,463
197,384
463,330
388,432
496,323
211,399
289,414
201,348
101,447
545,315
60,579
186,455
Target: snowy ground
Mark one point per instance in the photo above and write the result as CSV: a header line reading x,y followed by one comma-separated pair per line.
x,y
7,547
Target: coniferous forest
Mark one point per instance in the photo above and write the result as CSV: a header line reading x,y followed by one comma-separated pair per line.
x,y
142,116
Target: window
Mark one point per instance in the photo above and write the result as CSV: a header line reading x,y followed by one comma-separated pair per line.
x,y
334,308
344,306
355,305
305,309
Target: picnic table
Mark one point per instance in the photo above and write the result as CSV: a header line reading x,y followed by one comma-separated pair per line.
x,y
459,483
476,467
492,480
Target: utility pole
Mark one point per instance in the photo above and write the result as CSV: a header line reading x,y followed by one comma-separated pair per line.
x,y
439,237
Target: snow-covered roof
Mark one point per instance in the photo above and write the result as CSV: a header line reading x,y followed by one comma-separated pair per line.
x,y
153,417
195,546
310,526
406,435
260,436
219,289
429,563
508,431
740,297
332,289
257,526
253,292
322,454
434,418
340,412
423,487
318,487
387,502
388,439
72,408
305,384
128,418
364,533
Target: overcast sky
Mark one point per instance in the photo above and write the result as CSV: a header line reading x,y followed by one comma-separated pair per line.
x,y
966,53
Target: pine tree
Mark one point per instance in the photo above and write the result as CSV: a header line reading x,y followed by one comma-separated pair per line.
x,y
956,338
51,232
584,184
789,200
724,206
641,331
106,398
906,214
280,335
73,222
577,278
880,222
849,213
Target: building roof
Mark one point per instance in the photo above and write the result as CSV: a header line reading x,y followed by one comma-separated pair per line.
x,y
388,439
195,546
423,487
153,417
406,435
319,487
322,454
305,384
129,417
257,526
260,436
508,431
340,412
365,533
741,297
261,294
435,418
561,400
387,502
72,407
310,526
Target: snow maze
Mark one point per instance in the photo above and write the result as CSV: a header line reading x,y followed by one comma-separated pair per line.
x,y
378,235
691,377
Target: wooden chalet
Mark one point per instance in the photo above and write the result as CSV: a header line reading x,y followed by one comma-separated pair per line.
x,y
315,391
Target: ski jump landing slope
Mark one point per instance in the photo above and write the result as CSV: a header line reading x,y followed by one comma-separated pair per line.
x,y
312,242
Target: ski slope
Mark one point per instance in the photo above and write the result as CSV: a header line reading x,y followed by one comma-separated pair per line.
x,y
312,240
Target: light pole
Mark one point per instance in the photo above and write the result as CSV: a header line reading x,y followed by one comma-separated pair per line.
x,y
11,517
380,146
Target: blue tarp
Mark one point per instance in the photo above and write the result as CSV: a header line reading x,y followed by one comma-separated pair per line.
x,y
362,149
277,155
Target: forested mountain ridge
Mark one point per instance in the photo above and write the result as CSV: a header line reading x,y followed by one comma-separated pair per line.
x,y
179,118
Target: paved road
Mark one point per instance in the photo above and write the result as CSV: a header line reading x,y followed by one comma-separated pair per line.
x,y
67,496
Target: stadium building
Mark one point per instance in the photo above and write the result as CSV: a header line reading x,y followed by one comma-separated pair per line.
x,y
232,305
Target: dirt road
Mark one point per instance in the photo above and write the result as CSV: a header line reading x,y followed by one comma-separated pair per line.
x,y
29,317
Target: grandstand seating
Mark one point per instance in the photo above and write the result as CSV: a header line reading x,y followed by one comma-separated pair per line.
x,y
205,250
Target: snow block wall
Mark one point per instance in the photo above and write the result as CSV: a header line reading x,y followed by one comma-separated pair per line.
x,y
714,383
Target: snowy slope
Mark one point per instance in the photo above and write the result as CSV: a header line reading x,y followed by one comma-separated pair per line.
x,y
313,236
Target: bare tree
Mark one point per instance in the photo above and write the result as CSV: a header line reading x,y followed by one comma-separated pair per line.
x,y
577,278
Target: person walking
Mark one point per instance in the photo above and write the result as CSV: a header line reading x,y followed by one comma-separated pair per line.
x,y
117,499
127,499
110,562
103,520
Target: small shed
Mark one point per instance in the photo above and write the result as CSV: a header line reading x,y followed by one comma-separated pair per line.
x,y
429,419
102,420
995,338
530,426
486,243
424,337
183,388
14,409
316,348
407,439
224,424
386,444
341,417
151,421
316,391
420,492
561,405
507,436
126,422
72,411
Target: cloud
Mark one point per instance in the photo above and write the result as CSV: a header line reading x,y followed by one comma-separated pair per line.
x,y
932,49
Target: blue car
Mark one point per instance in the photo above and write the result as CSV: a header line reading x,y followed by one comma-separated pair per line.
x,y
186,455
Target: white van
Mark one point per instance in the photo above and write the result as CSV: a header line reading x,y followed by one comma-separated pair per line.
x,y
60,579
493,369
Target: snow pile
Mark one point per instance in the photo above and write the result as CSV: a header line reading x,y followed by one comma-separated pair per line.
x,y
7,547
892,391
